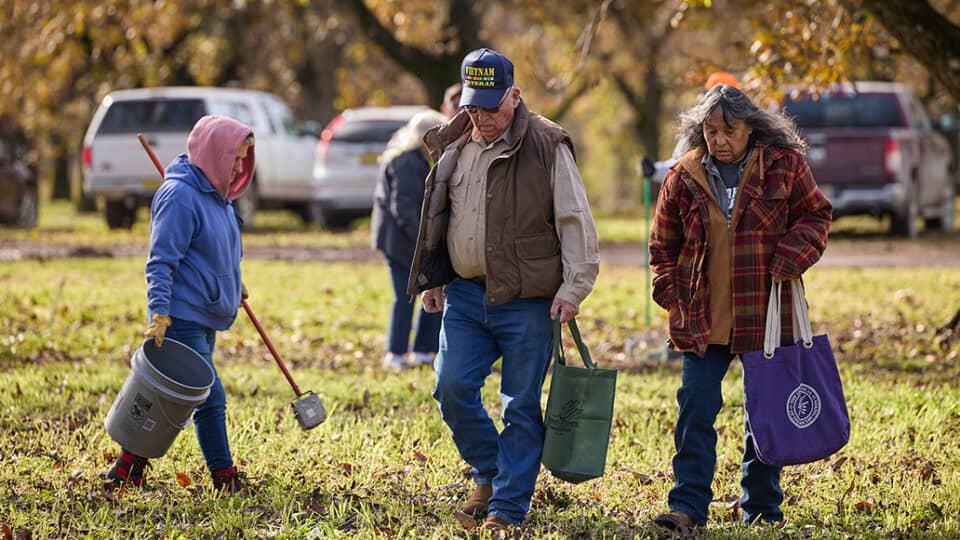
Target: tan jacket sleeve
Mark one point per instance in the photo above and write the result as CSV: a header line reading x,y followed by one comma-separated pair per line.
x,y
575,228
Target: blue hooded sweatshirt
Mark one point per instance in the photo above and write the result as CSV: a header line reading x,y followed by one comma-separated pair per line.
x,y
193,268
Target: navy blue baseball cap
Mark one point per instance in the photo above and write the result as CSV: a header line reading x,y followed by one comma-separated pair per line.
x,y
486,76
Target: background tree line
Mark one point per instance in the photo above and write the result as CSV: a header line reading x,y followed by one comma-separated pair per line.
x,y
615,72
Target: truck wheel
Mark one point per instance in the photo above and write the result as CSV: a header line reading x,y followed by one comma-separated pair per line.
x,y
944,221
248,205
302,211
905,223
119,215
27,213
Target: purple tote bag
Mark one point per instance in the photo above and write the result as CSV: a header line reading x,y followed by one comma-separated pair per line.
x,y
794,398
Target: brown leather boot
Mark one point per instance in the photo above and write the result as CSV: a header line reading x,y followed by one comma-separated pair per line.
x,y
677,522
477,502
494,524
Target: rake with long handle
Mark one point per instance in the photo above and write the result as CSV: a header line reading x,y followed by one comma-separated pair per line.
x,y
307,407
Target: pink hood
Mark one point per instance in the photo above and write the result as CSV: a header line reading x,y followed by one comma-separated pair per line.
x,y
213,145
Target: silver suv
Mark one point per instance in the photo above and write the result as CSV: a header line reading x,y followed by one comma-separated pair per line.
x,y
346,168
116,168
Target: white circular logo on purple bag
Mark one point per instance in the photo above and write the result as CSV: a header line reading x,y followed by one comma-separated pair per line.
x,y
803,406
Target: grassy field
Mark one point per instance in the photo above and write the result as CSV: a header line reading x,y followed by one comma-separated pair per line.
x,y
60,223
383,465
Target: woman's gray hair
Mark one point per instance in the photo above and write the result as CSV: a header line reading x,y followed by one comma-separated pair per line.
x,y
772,129
410,136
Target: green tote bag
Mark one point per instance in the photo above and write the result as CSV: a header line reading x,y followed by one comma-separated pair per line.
x,y
579,414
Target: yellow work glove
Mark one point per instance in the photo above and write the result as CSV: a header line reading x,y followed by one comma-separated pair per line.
x,y
158,327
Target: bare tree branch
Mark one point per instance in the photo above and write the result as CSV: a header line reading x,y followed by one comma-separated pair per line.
x,y
923,32
569,98
408,57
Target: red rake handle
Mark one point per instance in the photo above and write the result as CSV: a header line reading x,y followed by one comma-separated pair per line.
x,y
269,345
153,157
246,307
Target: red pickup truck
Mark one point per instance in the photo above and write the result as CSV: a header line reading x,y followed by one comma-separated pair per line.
x,y
874,151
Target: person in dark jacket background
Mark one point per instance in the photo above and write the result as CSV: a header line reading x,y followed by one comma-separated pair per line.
x,y
193,278
394,225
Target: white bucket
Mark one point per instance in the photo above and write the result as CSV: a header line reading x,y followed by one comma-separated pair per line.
x,y
157,400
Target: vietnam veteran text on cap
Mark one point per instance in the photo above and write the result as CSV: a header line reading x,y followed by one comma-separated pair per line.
x,y
486,76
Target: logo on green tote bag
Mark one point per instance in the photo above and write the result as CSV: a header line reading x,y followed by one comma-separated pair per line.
x,y
568,418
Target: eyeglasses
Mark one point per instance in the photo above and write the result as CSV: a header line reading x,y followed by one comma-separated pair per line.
x,y
475,110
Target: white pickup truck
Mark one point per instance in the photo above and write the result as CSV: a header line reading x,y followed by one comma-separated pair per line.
x,y
116,168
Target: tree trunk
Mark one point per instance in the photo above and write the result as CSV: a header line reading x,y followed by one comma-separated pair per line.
x,y
315,74
648,129
60,172
923,32
435,71
81,202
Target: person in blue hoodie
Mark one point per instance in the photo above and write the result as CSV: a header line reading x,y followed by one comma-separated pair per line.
x,y
193,273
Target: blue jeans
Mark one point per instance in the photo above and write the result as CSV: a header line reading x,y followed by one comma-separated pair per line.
x,y
209,419
700,400
427,333
472,337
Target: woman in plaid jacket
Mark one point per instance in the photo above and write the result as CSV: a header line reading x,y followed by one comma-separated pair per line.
x,y
739,209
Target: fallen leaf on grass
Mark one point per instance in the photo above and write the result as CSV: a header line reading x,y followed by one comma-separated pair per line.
x,y
183,480
349,524
929,472
347,468
853,482
865,506
466,520
642,479
420,456
6,531
838,463
733,510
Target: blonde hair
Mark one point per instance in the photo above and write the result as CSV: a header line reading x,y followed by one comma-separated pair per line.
x,y
410,136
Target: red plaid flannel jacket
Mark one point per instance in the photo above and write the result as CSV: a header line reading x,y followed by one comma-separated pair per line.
x,y
779,226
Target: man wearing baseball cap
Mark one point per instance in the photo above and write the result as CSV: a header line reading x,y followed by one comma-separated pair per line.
x,y
506,243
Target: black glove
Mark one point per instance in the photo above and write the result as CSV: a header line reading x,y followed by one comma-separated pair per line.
x,y
647,167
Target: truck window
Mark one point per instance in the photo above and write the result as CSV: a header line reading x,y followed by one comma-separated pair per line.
x,y
920,115
846,111
152,115
367,131
281,116
240,112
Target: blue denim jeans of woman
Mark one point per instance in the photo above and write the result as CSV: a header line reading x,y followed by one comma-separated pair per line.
x,y
209,419
472,337
694,464
427,331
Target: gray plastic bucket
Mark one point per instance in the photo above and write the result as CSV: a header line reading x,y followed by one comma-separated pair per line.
x,y
157,399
